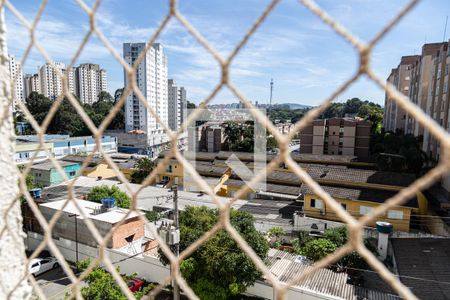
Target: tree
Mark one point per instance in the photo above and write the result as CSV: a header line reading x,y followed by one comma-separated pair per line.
x,y
66,119
276,232
152,216
318,249
271,143
100,284
117,94
399,153
98,193
143,167
38,105
190,105
219,268
339,236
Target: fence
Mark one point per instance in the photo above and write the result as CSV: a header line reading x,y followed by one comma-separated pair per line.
x,y
16,278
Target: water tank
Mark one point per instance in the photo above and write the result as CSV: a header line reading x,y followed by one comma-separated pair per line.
x,y
384,227
108,203
36,193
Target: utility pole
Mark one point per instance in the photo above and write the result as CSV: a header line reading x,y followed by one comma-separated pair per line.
x,y
76,236
170,234
176,288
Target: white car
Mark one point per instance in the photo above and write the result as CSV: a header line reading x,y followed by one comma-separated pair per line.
x,y
40,265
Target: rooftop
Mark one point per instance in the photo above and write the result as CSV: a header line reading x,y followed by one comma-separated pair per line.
x,y
112,216
286,266
427,259
48,165
363,194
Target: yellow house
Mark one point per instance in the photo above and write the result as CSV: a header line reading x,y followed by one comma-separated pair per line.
x,y
361,201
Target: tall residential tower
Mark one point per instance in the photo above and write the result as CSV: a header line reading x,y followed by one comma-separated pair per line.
x,y
151,79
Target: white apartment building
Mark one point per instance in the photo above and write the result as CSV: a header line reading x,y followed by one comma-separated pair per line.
x,y
151,80
15,70
395,116
177,104
90,81
51,83
31,84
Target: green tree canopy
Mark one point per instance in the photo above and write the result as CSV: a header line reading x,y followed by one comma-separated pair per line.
x,y
399,152
98,193
219,268
318,249
143,167
66,119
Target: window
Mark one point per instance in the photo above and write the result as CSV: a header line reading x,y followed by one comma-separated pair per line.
x,y
316,203
344,205
395,214
364,210
72,173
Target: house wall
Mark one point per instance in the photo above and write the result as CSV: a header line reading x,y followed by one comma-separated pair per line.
x,y
151,269
133,226
353,207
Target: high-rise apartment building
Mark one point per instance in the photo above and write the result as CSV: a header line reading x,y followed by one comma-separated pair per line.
x,y
15,71
50,81
151,79
438,98
90,81
31,84
400,77
176,104
419,85
336,136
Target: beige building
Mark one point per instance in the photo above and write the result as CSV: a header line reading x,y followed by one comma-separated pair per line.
x,y
420,83
400,77
337,136
32,84
438,98
90,81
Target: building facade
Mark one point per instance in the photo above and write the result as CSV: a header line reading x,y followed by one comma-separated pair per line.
x,y
46,174
90,81
85,81
15,71
51,83
177,104
400,77
59,146
438,99
337,136
151,79
419,85
31,84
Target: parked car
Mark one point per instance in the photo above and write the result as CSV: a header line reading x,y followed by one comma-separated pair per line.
x,y
135,284
40,265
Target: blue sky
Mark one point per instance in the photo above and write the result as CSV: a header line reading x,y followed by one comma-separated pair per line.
x,y
306,59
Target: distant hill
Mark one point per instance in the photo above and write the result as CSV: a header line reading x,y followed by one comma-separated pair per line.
x,y
295,105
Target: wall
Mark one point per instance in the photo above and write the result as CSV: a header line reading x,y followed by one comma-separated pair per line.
x,y
151,269
146,267
353,207
56,178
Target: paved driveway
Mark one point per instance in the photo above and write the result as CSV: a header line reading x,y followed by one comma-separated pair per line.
x,y
54,283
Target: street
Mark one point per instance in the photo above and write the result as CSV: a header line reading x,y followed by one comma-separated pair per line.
x,y
54,283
